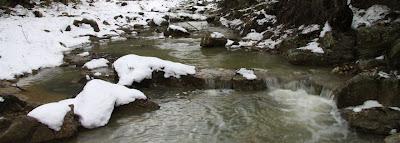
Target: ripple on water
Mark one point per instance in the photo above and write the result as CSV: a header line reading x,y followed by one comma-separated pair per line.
x,y
230,116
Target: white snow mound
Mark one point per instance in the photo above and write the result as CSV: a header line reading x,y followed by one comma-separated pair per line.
x,y
94,105
248,74
134,68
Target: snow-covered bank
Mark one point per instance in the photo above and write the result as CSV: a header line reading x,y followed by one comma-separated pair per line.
x,y
30,43
94,105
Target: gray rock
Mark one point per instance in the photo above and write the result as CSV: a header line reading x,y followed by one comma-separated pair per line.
x,y
208,41
374,120
90,22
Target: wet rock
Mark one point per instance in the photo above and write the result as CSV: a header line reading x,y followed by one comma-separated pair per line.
x,y
376,40
158,79
37,13
124,4
28,129
379,121
12,106
74,59
90,22
369,86
241,83
137,107
370,64
395,138
209,41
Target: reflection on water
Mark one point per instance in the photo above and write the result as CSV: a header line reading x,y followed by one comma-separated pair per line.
x,y
281,115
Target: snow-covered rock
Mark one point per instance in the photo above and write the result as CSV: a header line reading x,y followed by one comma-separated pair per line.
x,y
94,105
248,74
255,36
367,104
84,54
309,28
217,35
96,63
134,68
369,16
327,28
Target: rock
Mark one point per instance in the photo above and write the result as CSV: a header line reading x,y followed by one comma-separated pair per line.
x,y
158,79
298,12
68,28
364,4
208,41
92,23
379,121
37,13
305,57
124,4
395,138
369,86
12,105
241,83
137,107
376,40
176,31
394,55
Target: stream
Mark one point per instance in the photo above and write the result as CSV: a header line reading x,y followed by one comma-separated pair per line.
x,y
291,110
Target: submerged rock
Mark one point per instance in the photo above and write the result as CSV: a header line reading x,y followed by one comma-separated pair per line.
x,y
374,120
11,105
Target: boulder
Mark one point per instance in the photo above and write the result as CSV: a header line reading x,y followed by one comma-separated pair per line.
x,y
13,106
379,121
158,79
394,55
395,138
241,83
376,40
209,41
369,86
297,13
29,130
364,4
305,57
176,31
90,22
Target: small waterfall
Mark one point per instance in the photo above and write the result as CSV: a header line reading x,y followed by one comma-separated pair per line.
x,y
217,83
272,83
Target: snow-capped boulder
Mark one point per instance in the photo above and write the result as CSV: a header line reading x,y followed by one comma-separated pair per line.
x,y
214,39
90,22
176,31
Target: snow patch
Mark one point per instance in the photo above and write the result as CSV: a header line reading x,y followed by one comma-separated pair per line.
x,y
1,99
134,68
84,54
217,35
255,36
309,28
313,47
370,16
367,105
327,28
248,74
177,28
96,63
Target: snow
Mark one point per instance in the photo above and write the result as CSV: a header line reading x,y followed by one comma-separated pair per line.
x,y
367,105
84,54
217,35
178,28
255,36
134,68
248,74
159,20
327,28
52,114
380,57
97,74
309,29
229,42
94,105
26,46
383,74
96,63
313,47
1,99
370,16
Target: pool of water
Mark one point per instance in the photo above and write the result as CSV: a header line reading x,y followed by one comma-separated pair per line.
x,y
285,114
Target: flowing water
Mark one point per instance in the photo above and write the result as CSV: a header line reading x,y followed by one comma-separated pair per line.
x,y
293,111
